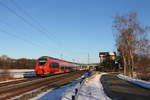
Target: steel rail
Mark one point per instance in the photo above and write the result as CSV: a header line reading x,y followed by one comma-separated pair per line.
x,y
13,90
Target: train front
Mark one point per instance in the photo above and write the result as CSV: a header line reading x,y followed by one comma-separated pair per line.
x,y
41,66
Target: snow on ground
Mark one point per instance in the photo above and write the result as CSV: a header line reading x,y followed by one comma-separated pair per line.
x,y
18,70
93,90
57,93
67,95
42,96
135,81
18,73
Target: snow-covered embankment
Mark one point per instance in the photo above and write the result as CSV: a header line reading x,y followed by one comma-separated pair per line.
x,y
91,90
141,83
17,73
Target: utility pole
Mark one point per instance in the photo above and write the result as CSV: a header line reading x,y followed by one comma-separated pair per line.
x,y
73,60
88,58
61,56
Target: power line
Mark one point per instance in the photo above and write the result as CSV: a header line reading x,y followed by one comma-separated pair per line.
x,y
7,24
32,18
22,39
88,58
17,37
61,56
23,19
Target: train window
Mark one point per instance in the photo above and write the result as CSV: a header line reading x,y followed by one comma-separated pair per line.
x,y
67,67
62,66
54,65
41,63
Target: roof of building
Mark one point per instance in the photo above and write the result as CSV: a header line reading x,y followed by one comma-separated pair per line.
x,y
107,53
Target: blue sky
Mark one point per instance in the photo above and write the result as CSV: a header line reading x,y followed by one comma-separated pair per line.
x,y
70,28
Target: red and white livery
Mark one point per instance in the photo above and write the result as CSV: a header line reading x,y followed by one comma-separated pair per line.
x,y
49,65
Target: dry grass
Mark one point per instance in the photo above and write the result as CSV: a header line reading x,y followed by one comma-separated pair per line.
x,y
5,75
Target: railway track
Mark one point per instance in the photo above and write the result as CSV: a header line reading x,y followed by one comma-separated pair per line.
x,y
22,80
8,91
16,81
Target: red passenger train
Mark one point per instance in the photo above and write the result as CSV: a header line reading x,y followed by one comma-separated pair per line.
x,y
49,65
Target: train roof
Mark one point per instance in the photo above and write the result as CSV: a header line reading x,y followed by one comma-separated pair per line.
x,y
47,57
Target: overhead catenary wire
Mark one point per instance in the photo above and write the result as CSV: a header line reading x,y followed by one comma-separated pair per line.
x,y
23,19
25,40
34,20
20,38
11,26
28,22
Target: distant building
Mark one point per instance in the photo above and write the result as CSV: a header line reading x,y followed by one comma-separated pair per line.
x,y
107,56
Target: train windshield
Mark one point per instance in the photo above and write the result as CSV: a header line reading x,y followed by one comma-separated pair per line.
x,y
42,63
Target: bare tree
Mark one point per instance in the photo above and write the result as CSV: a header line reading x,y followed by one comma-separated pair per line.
x,y
22,63
130,40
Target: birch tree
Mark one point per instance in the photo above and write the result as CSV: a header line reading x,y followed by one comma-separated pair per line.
x,y
130,40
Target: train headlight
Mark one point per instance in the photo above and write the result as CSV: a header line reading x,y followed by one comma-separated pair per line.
x,y
40,67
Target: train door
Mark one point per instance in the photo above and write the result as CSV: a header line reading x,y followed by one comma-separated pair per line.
x,y
55,67
62,67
